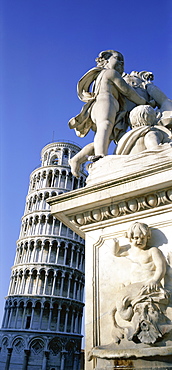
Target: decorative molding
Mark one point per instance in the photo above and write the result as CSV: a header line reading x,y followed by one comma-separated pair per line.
x,y
128,206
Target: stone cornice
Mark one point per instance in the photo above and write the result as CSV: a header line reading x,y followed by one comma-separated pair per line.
x,y
133,205
136,192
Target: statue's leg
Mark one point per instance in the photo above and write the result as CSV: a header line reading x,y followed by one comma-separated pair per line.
x,y
102,137
103,115
81,157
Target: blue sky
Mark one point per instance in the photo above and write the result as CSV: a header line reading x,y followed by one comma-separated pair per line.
x,y
46,46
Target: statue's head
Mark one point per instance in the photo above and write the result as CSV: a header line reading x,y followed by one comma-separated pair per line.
x,y
111,59
142,115
138,233
143,75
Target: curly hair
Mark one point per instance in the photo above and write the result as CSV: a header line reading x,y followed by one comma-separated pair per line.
x,y
137,228
142,115
103,57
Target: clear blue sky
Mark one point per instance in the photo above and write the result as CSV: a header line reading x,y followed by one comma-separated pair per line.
x,y
46,46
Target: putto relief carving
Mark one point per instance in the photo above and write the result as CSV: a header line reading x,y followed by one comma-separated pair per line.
x,y
140,307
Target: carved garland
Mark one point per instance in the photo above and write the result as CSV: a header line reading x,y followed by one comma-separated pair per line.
x,y
123,208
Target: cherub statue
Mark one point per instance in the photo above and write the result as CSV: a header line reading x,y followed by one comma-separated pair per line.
x,y
138,309
105,106
142,83
146,134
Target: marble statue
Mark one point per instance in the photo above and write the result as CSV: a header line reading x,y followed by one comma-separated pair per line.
x,y
142,83
139,81
146,134
139,312
114,95
105,106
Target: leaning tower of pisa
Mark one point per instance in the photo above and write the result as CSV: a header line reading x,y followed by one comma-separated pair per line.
x,y
41,326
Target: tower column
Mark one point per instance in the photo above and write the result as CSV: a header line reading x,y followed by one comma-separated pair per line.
x,y
7,364
27,254
58,318
62,283
54,281
21,284
80,322
77,257
41,253
17,285
62,364
76,362
7,315
76,323
74,290
72,251
53,226
45,282
78,294
72,322
81,261
32,315
46,225
23,317
35,251
29,283
37,282
65,254
49,252
16,317
10,317
57,253
60,228
66,319
38,225
82,289
50,317
45,360
69,284
40,319
13,284
66,180
30,258
59,183
72,185
25,359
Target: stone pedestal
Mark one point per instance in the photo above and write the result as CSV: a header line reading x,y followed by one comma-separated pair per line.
x,y
120,190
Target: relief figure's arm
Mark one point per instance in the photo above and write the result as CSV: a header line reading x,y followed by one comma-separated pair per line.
x,y
118,250
159,261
